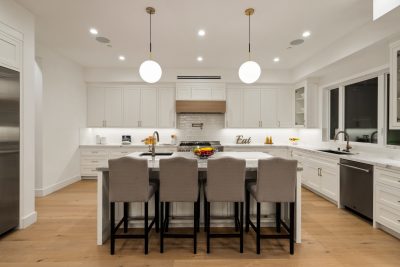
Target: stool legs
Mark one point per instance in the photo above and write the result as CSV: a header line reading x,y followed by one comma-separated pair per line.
x,y
126,216
166,216
247,210
156,210
208,226
236,216
146,228
241,227
278,217
112,226
162,228
292,208
258,227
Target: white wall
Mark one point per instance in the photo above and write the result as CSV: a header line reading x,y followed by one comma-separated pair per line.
x,y
16,18
63,114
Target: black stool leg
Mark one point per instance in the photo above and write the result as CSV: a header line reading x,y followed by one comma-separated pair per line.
x,y
156,210
195,213
198,214
126,216
258,227
278,217
162,228
166,216
112,226
247,210
146,227
236,216
208,227
292,228
241,227
205,212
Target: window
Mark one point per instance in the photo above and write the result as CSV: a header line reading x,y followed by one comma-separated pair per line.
x,y
392,136
361,111
334,112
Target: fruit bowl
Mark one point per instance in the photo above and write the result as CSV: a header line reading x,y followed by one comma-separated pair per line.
x,y
203,152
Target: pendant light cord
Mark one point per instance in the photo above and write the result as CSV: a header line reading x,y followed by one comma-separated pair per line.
x,y
249,39
150,35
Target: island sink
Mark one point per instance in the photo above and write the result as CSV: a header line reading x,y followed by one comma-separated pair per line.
x,y
335,152
146,154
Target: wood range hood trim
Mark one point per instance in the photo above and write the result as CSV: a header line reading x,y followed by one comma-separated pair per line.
x,y
191,106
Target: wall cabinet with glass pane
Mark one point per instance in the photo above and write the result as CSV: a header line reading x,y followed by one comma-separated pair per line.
x,y
394,113
306,105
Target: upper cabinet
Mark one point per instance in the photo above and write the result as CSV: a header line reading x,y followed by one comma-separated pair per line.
x,y
305,105
394,113
131,107
259,108
10,51
200,91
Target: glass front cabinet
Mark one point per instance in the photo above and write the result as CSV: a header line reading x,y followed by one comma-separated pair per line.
x,y
394,113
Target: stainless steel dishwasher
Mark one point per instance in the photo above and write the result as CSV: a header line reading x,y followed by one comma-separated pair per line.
x,y
356,187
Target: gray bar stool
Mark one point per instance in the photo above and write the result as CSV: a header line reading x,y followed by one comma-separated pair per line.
x,y
129,182
179,183
225,183
276,182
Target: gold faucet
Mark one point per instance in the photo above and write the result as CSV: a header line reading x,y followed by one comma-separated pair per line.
x,y
346,136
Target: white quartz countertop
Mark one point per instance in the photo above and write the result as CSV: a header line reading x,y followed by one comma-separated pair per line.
x,y
123,146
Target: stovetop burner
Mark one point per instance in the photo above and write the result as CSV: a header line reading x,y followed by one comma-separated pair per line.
x,y
195,143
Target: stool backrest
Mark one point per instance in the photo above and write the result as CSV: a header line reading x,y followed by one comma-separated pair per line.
x,y
276,180
178,180
225,179
129,180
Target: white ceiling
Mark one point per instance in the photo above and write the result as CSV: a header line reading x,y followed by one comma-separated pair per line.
x,y
64,25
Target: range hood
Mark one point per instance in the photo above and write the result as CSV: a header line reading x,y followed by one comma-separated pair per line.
x,y
191,106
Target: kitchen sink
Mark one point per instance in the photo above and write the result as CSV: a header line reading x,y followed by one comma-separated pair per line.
x,y
157,154
335,152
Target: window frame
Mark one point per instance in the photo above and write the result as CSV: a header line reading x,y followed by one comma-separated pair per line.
x,y
386,115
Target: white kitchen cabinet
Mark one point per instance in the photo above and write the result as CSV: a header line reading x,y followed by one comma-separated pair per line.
x,y
113,107
268,108
305,104
284,108
95,107
251,108
200,91
166,108
394,112
10,51
131,107
148,108
234,108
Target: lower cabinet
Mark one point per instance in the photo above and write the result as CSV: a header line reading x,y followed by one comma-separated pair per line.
x,y
320,174
387,199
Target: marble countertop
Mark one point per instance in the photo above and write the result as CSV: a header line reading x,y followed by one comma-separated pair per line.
x,y
111,145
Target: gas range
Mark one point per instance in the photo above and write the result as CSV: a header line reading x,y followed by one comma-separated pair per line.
x,y
187,146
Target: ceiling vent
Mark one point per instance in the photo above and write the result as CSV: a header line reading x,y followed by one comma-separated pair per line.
x,y
198,77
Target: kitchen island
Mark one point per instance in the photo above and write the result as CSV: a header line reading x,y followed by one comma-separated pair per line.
x,y
181,211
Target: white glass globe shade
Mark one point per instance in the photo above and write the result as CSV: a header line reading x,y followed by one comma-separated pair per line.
x,y
150,71
249,72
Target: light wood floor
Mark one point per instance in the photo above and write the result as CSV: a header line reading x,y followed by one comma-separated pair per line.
x,y
65,235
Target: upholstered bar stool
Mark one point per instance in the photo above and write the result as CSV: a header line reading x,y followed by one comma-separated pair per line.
x,y
129,182
276,182
225,183
179,183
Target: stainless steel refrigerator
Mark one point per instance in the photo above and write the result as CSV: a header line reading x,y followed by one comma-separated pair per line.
x,y
9,149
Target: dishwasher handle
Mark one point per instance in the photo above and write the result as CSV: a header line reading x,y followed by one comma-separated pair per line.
x,y
354,167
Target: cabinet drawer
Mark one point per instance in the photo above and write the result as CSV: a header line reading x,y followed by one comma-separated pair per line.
x,y
388,196
95,153
388,217
390,178
119,154
94,162
88,171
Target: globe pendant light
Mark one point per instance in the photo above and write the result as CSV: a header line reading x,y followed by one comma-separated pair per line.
x,y
150,71
249,71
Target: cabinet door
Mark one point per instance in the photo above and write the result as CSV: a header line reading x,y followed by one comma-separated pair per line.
x,y
95,107
10,52
201,93
183,92
218,93
251,108
329,183
268,114
394,112
113,107
285,108
310,173
148,108
131,107
234,108
166,107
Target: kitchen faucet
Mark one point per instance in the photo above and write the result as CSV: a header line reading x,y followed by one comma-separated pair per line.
x,y
153,147
346,136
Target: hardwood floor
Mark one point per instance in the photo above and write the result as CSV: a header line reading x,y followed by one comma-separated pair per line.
x,y
65,235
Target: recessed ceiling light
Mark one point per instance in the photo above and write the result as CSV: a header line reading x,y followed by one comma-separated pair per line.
x,y
306,34
199,59
93,31
121,58
201,32
277,59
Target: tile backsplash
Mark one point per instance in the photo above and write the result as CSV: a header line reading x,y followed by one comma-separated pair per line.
x,y
212,124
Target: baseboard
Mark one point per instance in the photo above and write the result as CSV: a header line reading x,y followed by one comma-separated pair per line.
x,y
41,192
28,220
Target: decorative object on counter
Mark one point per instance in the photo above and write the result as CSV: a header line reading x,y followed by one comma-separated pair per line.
x,y
149,140
126,139
242,141
103,140
249,71
98,139
268,140
198,125
174,139
203,152
294,140
150,71
188,146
